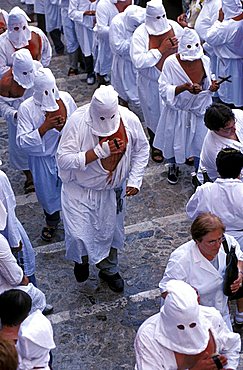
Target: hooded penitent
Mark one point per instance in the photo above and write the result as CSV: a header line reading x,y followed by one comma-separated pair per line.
x,y
189,46
18,30
104,111
45,90
182,328
24,68
231,8
156,21
134,15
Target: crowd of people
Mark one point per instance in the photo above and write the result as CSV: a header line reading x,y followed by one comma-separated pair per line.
x,y
182,79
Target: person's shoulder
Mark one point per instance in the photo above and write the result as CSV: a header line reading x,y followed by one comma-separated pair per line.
x,y
183,250
37,30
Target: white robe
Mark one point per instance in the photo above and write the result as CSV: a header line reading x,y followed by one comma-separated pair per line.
x,y
145,60
41,150
84,24
14,231
221,37
105,12
152,355
68,25
89,204
11,276
213,143
206,18
7,50
52,15
223,198
181,130
123,72
188,264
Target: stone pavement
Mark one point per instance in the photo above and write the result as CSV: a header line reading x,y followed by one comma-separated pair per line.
x,y
95,328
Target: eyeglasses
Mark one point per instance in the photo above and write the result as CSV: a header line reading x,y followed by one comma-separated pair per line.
x,y
216,241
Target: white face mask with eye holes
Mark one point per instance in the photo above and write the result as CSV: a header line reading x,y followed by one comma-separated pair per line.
x,y
23,68
104,111
156,21
45,90
189,47
18,30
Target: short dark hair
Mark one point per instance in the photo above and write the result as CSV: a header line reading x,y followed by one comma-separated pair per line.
x,y
8,355
229,163
217,116
204,224
15,305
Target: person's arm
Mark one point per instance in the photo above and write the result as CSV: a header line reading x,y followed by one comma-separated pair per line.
x,y
9,268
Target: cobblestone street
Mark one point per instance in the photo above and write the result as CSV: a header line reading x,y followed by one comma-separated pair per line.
x,y
94,328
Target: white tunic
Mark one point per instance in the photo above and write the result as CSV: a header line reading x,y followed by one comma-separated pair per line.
x,y
68,25
84,24
145,60
14,231
41,150
52,15
188,264
221,36
152,355
223,198
207,16
89,204
181,130
105,12
123,72
7,49
213,143
11,276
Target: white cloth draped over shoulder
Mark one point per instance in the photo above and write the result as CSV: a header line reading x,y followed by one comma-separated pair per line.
x,y
92,225
181,130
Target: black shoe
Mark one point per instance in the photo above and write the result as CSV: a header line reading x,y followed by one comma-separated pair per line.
x,y
115,282
48,310
173,174
81,272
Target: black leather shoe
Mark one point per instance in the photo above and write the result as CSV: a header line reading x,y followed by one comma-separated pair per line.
x,y
48,310
115,282
81,272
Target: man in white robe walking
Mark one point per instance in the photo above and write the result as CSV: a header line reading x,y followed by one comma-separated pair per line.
x,y
103,146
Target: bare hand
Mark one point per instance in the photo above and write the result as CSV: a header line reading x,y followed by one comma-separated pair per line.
x,y
168,44
207,363
181,19
215,86
131,191
25,281
194,88
51,122
117,146
89,12
236,284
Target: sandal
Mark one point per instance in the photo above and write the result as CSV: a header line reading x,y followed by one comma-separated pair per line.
x,y
29,187
156,155
48,232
